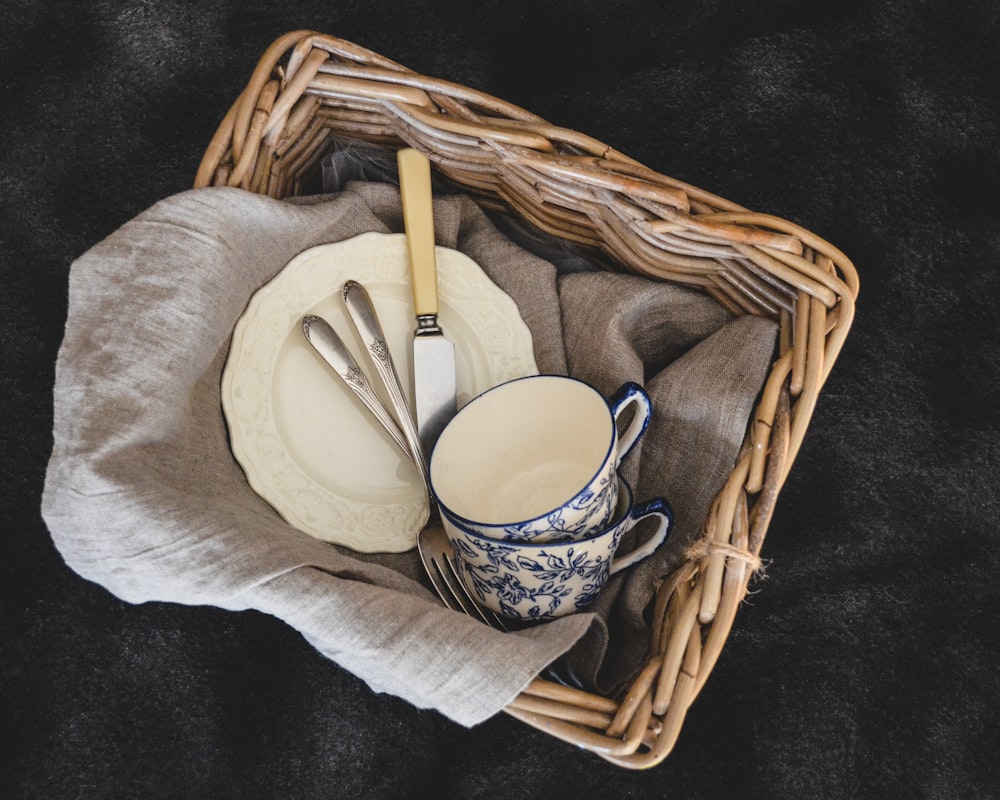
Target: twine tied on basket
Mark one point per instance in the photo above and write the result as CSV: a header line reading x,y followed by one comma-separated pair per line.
x,y
705,547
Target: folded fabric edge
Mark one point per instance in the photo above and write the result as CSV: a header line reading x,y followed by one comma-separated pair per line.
x,y
421,652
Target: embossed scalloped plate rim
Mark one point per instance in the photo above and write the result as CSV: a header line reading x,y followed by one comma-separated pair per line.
x,y
306,444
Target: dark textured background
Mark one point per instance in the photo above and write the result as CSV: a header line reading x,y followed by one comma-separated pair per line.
x,y
866,663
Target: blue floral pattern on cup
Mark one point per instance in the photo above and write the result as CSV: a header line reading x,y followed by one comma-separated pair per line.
x,y
537,581
547,580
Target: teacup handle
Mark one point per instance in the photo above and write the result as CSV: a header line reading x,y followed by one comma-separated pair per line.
x,y
628,394
656,507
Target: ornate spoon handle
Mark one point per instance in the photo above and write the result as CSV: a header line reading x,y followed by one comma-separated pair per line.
x,y
362,312
331,347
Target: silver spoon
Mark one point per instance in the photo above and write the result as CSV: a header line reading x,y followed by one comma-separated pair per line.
x,y
334,352
362,312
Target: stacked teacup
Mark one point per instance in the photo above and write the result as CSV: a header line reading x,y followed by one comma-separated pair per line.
x,y
526,479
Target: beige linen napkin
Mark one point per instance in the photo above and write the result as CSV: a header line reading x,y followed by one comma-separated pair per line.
x,y
143,496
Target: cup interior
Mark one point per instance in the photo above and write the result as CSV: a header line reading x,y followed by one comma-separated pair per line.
x,y
522,449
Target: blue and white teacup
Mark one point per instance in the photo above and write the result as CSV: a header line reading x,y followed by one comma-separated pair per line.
x,y
536,459
539,581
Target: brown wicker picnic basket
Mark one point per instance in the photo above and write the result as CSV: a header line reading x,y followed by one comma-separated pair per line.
x,y
309,88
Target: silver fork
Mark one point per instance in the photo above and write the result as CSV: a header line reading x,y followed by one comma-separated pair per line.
x,y
439,561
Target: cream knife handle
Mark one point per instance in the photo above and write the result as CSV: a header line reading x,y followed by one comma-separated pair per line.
x,y
418,218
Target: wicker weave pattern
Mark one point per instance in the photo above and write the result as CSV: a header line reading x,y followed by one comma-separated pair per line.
x,y
309,87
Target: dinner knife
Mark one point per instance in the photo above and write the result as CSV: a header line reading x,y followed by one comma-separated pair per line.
x,y
434,383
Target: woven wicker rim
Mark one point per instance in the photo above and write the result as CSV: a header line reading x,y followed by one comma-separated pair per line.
x,y
309,87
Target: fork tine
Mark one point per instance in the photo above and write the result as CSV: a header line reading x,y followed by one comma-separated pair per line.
x,y
458,597
439,581
436,554
487,615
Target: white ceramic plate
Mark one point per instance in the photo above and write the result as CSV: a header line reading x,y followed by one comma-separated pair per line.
x,y
308,446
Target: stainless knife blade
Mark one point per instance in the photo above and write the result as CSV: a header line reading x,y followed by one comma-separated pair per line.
x,y
434,382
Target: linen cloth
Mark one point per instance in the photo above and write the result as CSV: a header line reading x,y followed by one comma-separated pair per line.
x,y
143,495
